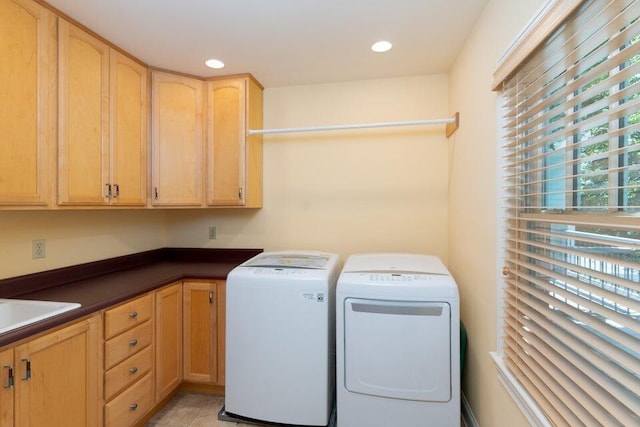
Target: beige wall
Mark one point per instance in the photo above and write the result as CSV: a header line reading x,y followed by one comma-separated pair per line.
x,y
354,191
74,237
473,198
346,191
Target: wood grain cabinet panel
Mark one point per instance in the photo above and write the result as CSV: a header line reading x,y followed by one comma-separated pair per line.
x,y
7,366
130,406
83,121
225,142
200,332
56,378
177,141
168,340
128,135
27,104
127,372
204,335
234,159
127,315
129,364
102,123
127,343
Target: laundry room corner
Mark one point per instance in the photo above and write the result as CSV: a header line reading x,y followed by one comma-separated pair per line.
x,y
346,192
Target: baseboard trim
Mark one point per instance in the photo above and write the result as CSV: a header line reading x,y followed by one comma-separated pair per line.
x,y
468,418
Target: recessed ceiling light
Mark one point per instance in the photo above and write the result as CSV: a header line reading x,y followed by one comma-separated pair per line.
x,y
214,63
381,46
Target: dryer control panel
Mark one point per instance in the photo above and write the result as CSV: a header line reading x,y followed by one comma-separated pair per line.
x,y
397,277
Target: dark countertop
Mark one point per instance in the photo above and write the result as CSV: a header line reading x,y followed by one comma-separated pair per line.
x,y
101,284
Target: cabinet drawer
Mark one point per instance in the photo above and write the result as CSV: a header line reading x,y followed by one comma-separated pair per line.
x,y
126,344
131,405
127,372
127,315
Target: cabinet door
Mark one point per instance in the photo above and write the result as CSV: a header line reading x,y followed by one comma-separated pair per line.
x,y
27,103
253,146
83,129
177,141
62,386
226,113
221,315
168,340
128,175
7,370
234,159
200,332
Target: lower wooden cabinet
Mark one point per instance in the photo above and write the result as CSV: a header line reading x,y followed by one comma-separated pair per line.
x,y
6,388
150,345
204,335
127,372
53,379
128,362
168,367
131,405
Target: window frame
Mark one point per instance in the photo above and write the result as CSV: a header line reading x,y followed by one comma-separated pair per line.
x,y
538,29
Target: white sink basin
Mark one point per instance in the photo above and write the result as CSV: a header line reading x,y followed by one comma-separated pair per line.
x,y
15,313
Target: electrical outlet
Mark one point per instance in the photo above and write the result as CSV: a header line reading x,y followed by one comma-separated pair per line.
x,y
212,232
38,248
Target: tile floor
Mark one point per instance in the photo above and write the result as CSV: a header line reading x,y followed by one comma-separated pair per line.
x,y
192,410
196,410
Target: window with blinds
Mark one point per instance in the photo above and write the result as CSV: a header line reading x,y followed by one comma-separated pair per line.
x,y
572,208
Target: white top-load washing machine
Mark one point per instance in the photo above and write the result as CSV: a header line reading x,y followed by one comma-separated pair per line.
x,y
280,338
397,342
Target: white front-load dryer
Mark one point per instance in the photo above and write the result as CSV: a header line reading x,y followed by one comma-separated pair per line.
x,y
280,338
397,342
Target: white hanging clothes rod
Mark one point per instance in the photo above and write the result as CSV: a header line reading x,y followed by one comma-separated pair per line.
x,y
452,125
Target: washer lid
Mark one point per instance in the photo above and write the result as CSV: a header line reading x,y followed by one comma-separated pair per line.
x,y
283,260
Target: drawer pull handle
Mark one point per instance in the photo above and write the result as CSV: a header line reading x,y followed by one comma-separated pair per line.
x,y
133,370
133,406
133,314
133,342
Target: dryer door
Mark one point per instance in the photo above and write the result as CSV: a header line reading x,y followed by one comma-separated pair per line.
x,y
398,349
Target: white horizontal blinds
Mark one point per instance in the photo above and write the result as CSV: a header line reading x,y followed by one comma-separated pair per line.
x,y
572,207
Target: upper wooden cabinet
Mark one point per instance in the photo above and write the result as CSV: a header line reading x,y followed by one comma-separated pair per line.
x,y
234,159
83,122
128,133
75,108
177,141
102,135
27,104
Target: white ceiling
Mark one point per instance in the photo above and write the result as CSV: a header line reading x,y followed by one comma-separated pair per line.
x,y
285,42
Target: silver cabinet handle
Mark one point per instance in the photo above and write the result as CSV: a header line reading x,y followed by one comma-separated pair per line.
x,y
133,314
133,406
133,342
10,377
27,375
133,370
